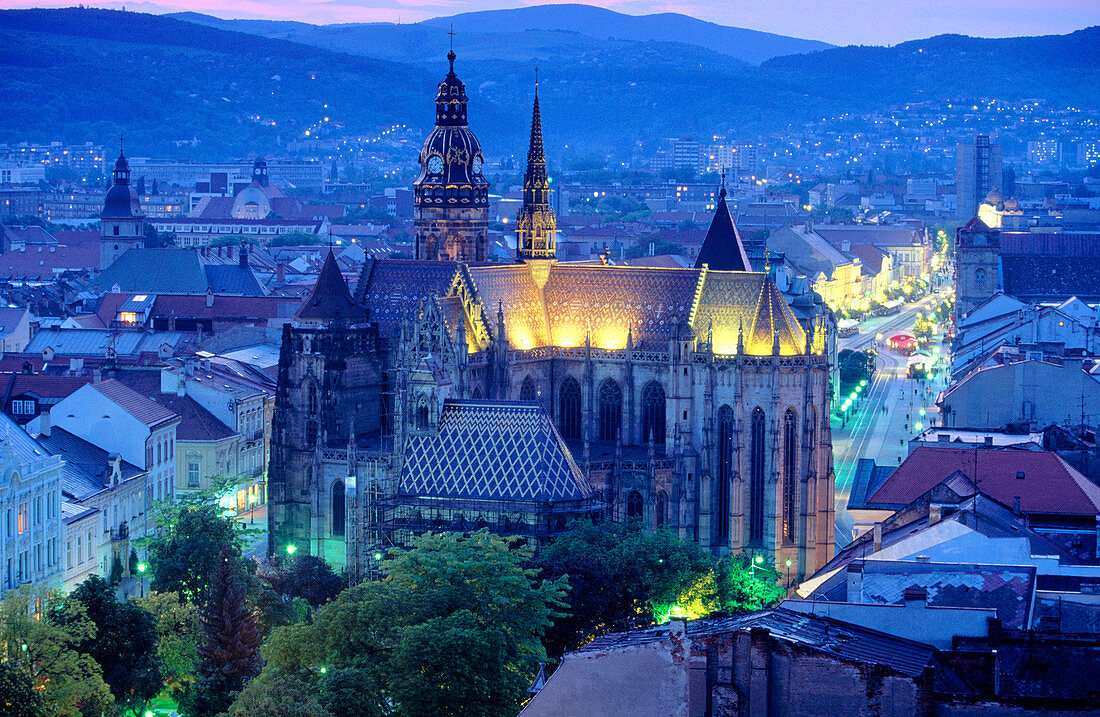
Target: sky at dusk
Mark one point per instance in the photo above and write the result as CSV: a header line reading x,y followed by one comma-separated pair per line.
x,y
842,22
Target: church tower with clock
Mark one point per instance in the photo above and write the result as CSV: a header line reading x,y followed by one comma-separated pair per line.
x,y
451,196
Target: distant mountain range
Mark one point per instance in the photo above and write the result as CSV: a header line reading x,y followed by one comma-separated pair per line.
x,y
507,27
241,87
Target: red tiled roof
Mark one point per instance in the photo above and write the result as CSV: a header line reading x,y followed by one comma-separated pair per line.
x,y
1049,485
40,384
39,261
234,307
146,410
871,256
196,423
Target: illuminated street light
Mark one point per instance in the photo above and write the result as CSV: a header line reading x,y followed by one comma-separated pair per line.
x,y
142,567
291,549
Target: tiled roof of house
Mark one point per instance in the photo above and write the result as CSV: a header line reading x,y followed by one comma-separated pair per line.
x,y
144,409
38,261
196,423
1043,481
86,469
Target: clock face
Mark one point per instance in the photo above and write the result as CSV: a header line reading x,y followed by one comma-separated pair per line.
x,y
477,165
435,164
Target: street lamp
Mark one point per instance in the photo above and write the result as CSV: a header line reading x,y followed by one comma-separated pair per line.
x,y
291,549
141,568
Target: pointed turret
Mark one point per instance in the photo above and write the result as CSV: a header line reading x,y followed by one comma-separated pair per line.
x,y
121,223
536,230
723,249
330,299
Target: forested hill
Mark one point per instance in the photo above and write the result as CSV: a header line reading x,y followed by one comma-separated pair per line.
x,y
82,74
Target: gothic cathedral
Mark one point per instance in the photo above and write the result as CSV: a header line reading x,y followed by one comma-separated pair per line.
x,y
449,393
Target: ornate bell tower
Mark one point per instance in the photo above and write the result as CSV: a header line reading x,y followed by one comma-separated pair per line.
x,y
536,231
121,223
451,196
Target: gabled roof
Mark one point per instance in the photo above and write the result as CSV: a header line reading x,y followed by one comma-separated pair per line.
x,y
85,472
144,409
722,249
196,423
330,299
493,450
1047,484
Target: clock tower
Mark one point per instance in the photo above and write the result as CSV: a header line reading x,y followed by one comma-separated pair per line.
x,y
451,196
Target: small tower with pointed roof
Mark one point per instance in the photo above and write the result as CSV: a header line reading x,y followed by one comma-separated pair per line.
x,y
330,299
536,230
722,248
121,223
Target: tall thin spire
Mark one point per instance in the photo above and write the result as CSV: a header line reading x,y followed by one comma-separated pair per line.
x,y
535,225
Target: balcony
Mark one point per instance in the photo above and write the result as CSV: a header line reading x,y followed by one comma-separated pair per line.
x,y
122,532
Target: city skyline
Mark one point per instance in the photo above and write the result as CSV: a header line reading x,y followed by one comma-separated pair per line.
x,y
839,22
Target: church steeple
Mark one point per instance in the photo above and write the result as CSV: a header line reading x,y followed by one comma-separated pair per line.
x,y
536,230
722,248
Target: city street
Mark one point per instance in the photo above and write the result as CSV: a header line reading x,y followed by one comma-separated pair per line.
x,y
884,417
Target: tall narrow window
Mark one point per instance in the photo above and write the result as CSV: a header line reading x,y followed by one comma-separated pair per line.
x,y
527,391
756,477
634,505
653,413
312,399
790,459
569,409
338,508
611,410
725,470
422,414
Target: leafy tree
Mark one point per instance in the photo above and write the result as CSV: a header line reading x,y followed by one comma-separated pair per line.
x,y
185,551
229,653
40,633
124,645
308,577
278,695
856,366
735,585
454,628
620,576
342,693
18,698
179,630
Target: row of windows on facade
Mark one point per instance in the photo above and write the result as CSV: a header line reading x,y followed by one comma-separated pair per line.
x,y
31,514
164,450
44,560
79,550
609,416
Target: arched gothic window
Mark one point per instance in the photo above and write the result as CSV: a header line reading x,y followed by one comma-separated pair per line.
x,y
422,414
611,410
660,508
527,391
338,508
725,469
653,413
312,402
569,409
634,505
790,461
756,476
979,278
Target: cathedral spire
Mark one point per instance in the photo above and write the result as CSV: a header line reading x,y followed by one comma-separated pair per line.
x,y
722,248
536,229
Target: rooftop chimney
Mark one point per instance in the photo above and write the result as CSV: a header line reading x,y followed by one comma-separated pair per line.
x,y
935,513
242,258
915,597
877,538
1016,504
44,423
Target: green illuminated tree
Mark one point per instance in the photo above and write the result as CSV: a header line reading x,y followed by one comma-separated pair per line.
x,y
620,577
179,630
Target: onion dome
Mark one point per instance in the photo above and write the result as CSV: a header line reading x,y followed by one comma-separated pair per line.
x,y
995,198
451,160
122,199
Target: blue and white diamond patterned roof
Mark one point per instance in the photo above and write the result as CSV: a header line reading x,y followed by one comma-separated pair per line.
x,y
493,450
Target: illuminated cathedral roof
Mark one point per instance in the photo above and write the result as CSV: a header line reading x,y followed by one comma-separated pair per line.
x,y
601,304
